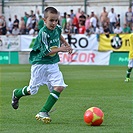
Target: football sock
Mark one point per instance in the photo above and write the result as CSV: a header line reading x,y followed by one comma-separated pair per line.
x,y
128,72
53,97
21,92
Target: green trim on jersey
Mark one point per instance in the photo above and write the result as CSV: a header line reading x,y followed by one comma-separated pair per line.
x,y
46,40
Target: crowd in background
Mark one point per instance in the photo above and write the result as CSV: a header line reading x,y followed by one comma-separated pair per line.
x,y
72,23
29,24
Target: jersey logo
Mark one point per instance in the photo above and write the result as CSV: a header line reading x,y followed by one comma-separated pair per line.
x,y
53,47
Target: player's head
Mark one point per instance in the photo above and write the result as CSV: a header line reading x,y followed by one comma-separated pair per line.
x,y
51,17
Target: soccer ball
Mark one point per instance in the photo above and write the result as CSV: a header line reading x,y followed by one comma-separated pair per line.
x,y
93,116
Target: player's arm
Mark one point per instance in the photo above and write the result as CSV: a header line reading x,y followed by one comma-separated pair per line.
x,y
66,43
45,50
59,49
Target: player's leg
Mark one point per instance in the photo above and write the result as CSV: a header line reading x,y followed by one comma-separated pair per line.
x,y
53,97
129,70
55,81
44,112
32,89
17,94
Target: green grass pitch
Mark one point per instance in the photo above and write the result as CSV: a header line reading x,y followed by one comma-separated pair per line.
x,y
100,86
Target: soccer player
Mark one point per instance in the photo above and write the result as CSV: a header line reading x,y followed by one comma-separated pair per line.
x,y
45,70
130,62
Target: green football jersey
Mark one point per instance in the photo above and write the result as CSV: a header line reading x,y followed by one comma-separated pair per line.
x,y
45,41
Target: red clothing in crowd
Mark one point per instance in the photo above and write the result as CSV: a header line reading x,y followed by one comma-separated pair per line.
x,y
82,29
75,22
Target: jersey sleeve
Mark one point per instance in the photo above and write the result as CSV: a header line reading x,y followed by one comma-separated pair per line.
x,y
41,44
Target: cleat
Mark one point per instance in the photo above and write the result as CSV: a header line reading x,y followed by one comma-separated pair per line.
x,y
15,101
127,79
44,117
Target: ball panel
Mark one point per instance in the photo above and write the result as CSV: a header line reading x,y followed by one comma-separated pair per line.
x,y
97,122
91,109
93,116
98,111
88,116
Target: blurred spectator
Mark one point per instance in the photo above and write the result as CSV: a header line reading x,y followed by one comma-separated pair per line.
x,y
4,26
16,21
8,32
99,30
112,20
32,31
68,32
93,20
29,24
78,13
82,29
64,22
129,17
74,29
32,13
82,18
118,29
10,25
126,29
69,20
22,26
15,30
87,22
26,17
38,15
90,31
72,14
33,24
104,16
40,23
132,29
118,19
75,22
1,24
93,14
106,30
1,19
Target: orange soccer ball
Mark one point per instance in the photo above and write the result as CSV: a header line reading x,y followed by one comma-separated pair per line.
x,y
93,116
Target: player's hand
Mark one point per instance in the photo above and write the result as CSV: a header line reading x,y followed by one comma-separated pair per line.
x,y
66,49
70,51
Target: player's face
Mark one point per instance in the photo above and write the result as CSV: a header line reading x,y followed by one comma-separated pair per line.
x,y
51,21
